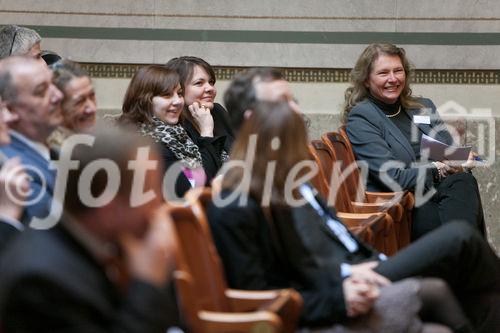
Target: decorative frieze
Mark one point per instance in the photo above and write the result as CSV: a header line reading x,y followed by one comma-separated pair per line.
x,y
315,75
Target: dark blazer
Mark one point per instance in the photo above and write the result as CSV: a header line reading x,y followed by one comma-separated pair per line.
x,y
210,161
375,139
298,250
50,283
39,170
7,233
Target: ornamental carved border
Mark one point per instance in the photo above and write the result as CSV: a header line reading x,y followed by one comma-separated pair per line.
x,y
315,75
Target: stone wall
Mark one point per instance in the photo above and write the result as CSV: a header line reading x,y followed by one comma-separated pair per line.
x,y
454,45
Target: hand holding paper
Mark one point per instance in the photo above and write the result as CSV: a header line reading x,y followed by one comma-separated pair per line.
x,y
439,151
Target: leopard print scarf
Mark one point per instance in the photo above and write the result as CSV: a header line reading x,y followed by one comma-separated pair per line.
x,y
176,139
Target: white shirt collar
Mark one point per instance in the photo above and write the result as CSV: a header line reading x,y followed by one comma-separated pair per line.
x,y
40,148
9,220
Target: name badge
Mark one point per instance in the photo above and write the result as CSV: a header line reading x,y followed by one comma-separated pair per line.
x,y
422,120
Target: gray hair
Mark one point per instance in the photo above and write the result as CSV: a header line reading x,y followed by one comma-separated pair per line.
x,y
65,71
16,40
8,91
8,88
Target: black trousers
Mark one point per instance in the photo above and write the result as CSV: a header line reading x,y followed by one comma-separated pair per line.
x,y
458,254
457,199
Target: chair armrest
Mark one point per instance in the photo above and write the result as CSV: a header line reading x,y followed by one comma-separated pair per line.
x,y
357,219
373,197
287,303
220,322
376,221
363,232
364,207
393,209
249,300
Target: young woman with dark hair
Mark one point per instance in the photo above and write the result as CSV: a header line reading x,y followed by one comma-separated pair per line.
x,y
154,102
202,116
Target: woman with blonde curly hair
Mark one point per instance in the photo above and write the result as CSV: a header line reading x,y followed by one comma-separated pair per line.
x,y
385,124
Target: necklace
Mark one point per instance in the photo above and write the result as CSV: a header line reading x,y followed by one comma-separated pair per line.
x,y
395,114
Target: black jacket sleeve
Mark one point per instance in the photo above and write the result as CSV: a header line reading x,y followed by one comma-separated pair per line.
x,y
7,233
30,309
211,148
245,245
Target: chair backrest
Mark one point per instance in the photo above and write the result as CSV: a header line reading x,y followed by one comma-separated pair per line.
x,y
199,265
319,181
343,154
324,157
209,305
343,132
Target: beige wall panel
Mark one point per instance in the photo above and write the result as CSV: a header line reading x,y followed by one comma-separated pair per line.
x,y
78,20
453,56
448,8
110,93
267,54
160,22
319,98
447,26
89,6
275,24
364,8
474,98
111,51
261,54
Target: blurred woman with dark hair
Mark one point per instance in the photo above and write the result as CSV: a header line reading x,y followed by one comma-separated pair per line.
x,y
202,117
273,231
154,102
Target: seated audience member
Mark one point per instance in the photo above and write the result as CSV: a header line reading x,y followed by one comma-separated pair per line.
x,y
154,102
78,104
272,231
35,101
16,40
10,207
256,84
385,124
203,118
104,267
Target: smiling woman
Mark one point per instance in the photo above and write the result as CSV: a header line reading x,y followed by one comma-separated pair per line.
x,y
78,104
385,124
153,103
203,118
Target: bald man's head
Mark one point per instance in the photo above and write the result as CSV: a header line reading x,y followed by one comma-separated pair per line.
x,y
30,95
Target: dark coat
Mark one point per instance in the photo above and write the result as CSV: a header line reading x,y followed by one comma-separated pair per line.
x,y
7,233
50,283
376,139
298,250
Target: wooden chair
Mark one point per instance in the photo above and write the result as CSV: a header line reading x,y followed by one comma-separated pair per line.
x,y
383,236
342,149
206,301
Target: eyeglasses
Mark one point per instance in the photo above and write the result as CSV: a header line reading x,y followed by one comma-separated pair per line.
x,y
13,40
